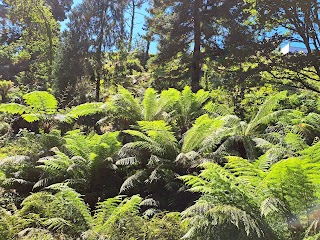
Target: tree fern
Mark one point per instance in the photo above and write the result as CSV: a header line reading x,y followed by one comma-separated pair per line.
x,y
239,136
203,129
16,170
89,154
289,189
41,101
39,105
61,212
150,160
149,104
125,105
127,206
155,136
227,199
62,168
14,108
82,110
265,113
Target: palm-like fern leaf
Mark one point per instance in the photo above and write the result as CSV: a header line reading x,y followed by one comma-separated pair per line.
x,y
126,207
14,108
41,101
126,105
132,181
200,131
149,104
85,109
70,196
155,136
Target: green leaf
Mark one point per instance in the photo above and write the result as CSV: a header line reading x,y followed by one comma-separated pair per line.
x,y
30,117
14,108
41,101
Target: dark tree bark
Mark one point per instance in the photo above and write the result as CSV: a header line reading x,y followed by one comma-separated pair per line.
x,y
132,24
196,68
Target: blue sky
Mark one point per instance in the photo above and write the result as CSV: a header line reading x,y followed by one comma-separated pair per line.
x,y
139,22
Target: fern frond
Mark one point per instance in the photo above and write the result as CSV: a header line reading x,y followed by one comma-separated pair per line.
x,y
41,101
265,120
15,160
166,101
132,181
128,206
191,104
127,161
236,216
149,104
295,141
271,156
216,109
73,198
56,224
267,107
202,96
29,117
156,138
191,159
44,182
270,205
105,209
149,202
85,109
9,182
201,129
244,171
313,119
126,105
14,108
150,212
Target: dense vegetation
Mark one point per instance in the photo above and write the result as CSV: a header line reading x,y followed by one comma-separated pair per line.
x,y
214,136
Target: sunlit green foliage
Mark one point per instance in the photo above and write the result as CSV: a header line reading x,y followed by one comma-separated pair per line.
x,y
214,135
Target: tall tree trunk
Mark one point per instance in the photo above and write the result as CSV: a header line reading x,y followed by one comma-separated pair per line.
x,y
99,51
196,70
132,24
50,40
146,53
